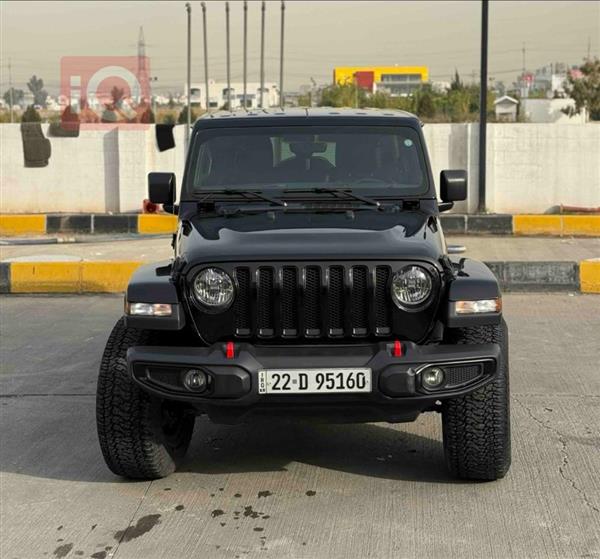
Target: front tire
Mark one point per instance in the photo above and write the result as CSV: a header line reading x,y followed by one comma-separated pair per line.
x,y
141,436
476,427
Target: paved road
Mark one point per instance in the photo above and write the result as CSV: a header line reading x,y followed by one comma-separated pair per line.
x,y
156,248
296,490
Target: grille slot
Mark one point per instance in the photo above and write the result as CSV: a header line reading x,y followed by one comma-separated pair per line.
x,y
312,301
336,301
242,302
360,301
382,309
264,300
289,302
312,306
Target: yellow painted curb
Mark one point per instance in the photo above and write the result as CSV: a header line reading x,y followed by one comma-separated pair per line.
x,y
106,277
537,224
155,224
579,225
71,277
584,225
11,225
589,276
45,277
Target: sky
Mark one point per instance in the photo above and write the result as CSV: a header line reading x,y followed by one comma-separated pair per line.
x,y
319,35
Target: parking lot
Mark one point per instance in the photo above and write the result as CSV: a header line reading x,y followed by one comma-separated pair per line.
x,y
297,489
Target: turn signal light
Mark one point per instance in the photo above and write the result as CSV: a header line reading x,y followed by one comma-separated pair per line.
x,y
478,307
149,309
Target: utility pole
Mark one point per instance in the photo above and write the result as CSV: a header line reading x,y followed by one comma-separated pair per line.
x,y
203,4
262,53
245,53
281,95
229,108
10,90
188,8
483,103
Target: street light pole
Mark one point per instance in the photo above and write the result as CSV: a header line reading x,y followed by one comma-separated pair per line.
x,y
245,52
188,8
281,96
262,54
228,57
483,104
203,4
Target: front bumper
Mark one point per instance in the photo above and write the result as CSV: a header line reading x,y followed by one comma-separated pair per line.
x,y
397,392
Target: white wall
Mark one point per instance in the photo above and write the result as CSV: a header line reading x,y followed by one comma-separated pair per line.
x,y
102,170
530,167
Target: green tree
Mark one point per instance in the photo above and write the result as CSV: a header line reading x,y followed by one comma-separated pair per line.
x,y
585,90
456,84
31,115
425,106
171,104
343,95
17,96
183,116
36,86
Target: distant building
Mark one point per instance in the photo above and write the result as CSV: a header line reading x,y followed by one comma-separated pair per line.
x,y
506,109
550,110
394,80
219,96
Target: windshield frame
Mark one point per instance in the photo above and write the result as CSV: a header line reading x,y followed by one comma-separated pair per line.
x,y
207,129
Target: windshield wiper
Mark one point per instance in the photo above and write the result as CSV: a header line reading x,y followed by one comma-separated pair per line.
x,y
335,191
258,195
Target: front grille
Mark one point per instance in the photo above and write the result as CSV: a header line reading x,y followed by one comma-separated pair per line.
x,y
312,301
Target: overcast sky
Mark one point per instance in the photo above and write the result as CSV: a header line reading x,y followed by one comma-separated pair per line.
x,y
319,35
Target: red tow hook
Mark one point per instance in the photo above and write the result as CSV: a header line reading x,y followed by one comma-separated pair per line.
x,y
397,350
230,350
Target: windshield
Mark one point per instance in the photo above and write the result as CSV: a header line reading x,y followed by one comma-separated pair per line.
x,y
372,159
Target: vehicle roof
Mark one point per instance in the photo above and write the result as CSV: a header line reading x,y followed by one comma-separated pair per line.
x,y
327,115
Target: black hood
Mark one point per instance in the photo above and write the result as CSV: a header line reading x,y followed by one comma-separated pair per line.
x,y
279,236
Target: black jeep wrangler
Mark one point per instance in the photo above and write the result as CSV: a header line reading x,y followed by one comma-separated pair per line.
x,y
310,278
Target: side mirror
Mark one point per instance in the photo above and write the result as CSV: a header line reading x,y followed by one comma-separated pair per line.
x,y
161,188
453,186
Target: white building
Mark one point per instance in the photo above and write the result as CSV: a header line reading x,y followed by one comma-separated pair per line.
x,y
551,110
506,109
218,94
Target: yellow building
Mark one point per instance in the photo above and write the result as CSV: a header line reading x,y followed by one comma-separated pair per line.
x,y
395,80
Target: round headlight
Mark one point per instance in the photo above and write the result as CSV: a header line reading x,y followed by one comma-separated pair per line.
x,y
411,286
213,289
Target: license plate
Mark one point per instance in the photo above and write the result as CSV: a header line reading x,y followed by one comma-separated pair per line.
x,y
314,381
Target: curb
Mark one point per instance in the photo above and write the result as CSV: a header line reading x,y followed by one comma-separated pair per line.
x,y
12,225
90,224
112,276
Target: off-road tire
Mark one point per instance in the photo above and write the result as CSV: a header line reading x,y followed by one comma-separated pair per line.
x,y
140,436
476,427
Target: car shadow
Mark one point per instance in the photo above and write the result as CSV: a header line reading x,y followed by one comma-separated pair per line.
x,y
55,438
374,450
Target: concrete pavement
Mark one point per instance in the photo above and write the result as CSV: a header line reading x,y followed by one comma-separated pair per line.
x,y
293,489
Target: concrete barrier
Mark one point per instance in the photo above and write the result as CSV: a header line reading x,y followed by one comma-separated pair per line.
x,y
82,276
157,224
530,167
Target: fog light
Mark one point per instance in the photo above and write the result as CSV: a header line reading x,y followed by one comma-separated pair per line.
x,y
195,380
432,377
